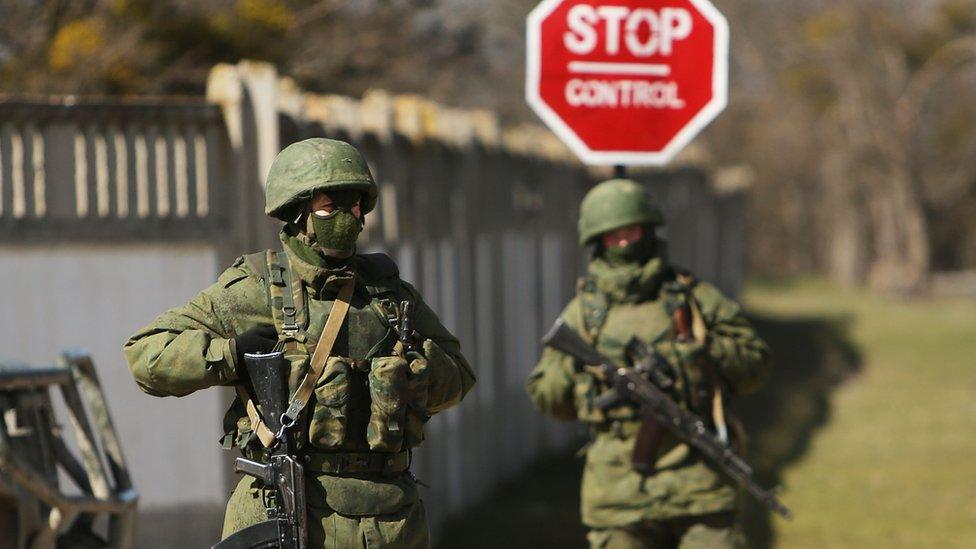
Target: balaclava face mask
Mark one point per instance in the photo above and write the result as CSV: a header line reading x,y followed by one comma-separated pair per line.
x,y
336,233
635,252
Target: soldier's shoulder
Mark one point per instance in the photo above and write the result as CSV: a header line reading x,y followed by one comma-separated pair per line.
x,y
572,313
248,266
703,288
704,291
378,266
713,301
574,303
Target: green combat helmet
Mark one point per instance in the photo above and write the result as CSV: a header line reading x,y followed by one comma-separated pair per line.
x,y
614,204
316,164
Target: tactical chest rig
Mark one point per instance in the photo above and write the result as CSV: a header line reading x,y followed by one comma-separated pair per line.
x,y
360,419
280,439
598,406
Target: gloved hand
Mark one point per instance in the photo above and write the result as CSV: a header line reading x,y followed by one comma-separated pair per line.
x,y
261,339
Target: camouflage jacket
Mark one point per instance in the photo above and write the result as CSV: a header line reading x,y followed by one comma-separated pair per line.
x,y
191,347
615,304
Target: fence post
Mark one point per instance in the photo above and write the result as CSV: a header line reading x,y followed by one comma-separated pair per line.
x,y
247,94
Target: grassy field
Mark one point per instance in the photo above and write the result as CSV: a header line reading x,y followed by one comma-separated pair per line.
x,y
893,464
868,421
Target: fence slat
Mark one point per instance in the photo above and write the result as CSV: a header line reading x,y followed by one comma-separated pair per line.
x,y
103,199
81,174
38,173
120,173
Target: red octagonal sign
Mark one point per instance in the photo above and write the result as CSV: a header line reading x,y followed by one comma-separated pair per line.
x,y
627,81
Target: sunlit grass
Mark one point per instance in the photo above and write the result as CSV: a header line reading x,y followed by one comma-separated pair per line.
x,y
895,464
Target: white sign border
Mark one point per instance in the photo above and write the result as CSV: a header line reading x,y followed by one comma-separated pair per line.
x,y
720,91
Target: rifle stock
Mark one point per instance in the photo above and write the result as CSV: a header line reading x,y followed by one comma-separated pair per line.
x,y
268,373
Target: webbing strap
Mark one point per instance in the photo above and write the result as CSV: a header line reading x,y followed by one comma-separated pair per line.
x,y
582,313
700,332
593,307
289,326
322,351
344,463
264,434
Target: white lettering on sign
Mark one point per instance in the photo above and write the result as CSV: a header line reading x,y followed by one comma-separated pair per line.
x,y
623,93
582,38
613,15
665,27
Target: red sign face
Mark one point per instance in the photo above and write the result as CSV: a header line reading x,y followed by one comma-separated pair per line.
x,y
627,81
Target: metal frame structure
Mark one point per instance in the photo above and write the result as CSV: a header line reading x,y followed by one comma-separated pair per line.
x,y
33,452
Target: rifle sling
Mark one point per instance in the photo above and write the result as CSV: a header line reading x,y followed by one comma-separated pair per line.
x,y
322,351
700,332
583,331
264,434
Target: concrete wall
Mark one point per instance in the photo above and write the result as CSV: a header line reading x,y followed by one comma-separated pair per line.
x,y
95,296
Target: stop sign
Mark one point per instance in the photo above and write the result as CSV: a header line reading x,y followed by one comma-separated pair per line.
x,y
627,81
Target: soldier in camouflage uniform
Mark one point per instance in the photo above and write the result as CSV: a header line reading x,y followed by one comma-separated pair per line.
x,y
373,398
631,290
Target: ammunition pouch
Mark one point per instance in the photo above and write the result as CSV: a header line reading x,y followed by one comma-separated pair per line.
x,y
418,389
388,394
330,416
398,403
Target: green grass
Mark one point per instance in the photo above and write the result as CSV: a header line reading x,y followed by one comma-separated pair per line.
x,y
893,463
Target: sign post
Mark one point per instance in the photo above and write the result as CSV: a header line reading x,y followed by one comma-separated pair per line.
x,y
627,82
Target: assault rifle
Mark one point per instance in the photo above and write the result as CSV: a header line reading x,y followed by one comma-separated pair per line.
x,y
286,527
655,404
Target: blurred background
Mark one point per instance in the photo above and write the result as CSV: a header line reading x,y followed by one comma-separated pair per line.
x,y
836,197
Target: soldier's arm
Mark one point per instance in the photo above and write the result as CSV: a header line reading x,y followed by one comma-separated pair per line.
x,y
190,347
449,373
551,383
743,359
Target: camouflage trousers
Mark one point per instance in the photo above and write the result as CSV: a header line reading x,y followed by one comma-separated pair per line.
x,y
716,531
404,529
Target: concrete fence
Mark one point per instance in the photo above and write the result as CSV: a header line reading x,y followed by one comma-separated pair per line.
x,y
112,211
134,170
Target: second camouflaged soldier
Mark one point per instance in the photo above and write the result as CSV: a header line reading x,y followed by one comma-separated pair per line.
x,y
712,352
372,400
